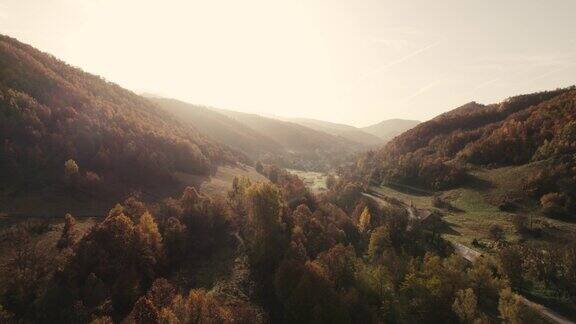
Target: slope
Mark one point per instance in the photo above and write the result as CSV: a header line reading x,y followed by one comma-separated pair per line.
x,y
522,130
291,136
220,127
52,113
348,132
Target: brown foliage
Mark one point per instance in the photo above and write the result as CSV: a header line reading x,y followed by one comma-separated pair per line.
x,y
519,130
68,236
51,112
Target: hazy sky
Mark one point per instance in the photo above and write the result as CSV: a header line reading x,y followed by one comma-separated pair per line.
x,y
355,61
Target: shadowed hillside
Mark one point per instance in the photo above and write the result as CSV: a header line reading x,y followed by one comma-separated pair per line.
x,y
70,135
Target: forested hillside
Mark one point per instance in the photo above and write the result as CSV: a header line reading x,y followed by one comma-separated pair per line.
x,y
291,136
348,132
66,132
521,130
220,127
266,139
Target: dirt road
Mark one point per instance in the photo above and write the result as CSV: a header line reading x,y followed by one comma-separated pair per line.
x,y
472,255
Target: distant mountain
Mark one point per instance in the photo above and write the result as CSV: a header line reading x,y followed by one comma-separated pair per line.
x,y
67,134
266,139
390,128
348,132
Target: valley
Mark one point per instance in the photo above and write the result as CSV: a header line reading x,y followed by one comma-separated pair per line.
x,y
122,208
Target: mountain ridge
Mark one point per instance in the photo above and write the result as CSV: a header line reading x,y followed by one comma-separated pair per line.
x,y
389,128
263,138
349,132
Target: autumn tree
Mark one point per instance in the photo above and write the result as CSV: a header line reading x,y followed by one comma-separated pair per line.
x,y
148,233
133,208
175,239
204,308
161,293
428,291
340,265
102,320
266,240
510,265
512,310
189,199
365,220
307,295
274,174
68,235
114,263
434,223
265,227
379,241
555,204
485,283
466,307
144,312
70,169
24,273
148,244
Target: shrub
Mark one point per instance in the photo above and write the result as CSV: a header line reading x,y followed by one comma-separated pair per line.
x,y
496,232
555,204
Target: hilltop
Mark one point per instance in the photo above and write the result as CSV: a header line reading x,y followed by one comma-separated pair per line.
x,y
390,128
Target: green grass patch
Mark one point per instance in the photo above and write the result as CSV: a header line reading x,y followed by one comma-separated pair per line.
x,y
478,206
315,181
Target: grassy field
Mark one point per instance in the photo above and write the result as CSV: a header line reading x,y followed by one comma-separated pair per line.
x,y
477,210
47,241
220,183
477,206
315,181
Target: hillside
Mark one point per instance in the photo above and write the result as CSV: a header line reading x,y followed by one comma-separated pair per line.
x,y
264,139
390,128
291,136
52,113
348,132
522,130
220,127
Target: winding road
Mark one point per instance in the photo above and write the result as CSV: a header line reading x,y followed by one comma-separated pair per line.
x,y
472,255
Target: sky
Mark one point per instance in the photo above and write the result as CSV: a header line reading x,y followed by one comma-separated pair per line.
x,y
355,62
